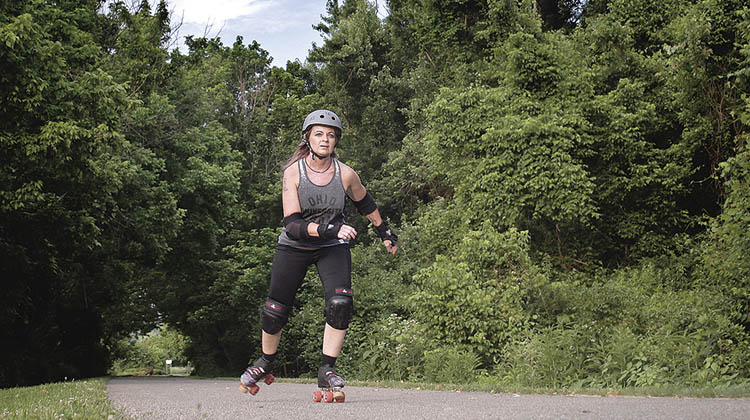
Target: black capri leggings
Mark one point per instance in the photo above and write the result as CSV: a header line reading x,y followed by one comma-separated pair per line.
x,y
290,265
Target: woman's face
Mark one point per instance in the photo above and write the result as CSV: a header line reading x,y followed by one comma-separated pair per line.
x,y
322,139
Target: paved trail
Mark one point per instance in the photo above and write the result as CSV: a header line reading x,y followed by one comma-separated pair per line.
x,y
185,398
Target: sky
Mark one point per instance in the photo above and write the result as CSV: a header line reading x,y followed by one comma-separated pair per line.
x,y
284,28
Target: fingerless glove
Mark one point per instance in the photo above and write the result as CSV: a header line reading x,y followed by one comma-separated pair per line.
x,y
385,232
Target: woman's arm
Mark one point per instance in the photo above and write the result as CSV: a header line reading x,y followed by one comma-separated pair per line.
x,y
296,227
366,205
289,197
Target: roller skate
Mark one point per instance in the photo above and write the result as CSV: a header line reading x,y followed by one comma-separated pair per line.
x,y
259,370
330,385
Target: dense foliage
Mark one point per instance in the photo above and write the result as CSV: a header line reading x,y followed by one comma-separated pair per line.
x,y
148,354
569,180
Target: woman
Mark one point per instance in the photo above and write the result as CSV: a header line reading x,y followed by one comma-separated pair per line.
x,y
315,232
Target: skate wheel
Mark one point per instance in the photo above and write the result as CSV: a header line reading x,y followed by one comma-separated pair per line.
x,y
328,396
253,389
243,388
317,396
339,397
269,379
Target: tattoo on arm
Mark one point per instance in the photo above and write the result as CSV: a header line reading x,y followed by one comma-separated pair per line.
x,y
284,183
375,218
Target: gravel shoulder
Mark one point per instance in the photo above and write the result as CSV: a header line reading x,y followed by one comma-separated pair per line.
x,y
169,398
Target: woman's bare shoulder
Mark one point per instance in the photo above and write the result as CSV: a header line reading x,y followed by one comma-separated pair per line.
x,y
291,173
347,171
352,184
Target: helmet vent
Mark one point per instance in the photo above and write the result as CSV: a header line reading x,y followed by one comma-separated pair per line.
x,y
322,117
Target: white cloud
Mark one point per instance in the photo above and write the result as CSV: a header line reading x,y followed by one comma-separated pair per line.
x,y
216,11
282,27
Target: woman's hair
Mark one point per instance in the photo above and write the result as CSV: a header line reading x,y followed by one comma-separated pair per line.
x,y
302,151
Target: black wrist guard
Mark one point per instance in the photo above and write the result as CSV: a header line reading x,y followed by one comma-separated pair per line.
x,y
366,205
330,231
385,233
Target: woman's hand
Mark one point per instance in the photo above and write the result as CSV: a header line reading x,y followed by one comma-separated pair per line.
x,y
347,233
390,247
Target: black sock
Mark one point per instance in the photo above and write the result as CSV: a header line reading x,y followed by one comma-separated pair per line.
x,y
269,357
329,361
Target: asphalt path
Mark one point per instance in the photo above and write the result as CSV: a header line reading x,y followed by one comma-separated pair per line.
x,y
170,398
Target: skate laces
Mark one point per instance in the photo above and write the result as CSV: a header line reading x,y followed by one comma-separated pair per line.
x,y
333,379
252,374
256,371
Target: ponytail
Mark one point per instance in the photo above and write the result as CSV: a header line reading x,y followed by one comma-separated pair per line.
x,y
301,152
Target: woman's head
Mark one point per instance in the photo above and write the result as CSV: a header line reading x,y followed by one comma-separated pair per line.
x,y
321,135
328,123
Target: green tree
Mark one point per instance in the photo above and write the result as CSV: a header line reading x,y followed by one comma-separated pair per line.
x,y
137,44
355,80
706,59
83,213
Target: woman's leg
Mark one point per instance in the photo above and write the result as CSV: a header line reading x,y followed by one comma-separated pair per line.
x,y
334,267
287,272
333,340
270,342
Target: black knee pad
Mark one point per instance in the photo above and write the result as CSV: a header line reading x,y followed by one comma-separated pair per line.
x,y
340,309
273,316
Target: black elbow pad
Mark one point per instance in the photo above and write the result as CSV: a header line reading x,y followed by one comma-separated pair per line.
x,y
366,205
296,227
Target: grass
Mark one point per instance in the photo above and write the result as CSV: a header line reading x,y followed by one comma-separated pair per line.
x,y
84,399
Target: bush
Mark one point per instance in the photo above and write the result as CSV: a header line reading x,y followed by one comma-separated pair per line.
x,y
148,354
392,349
628,331
475,297
452,365
547,358
726,251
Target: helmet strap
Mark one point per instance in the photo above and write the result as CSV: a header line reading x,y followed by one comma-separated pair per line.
x,y
314,155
